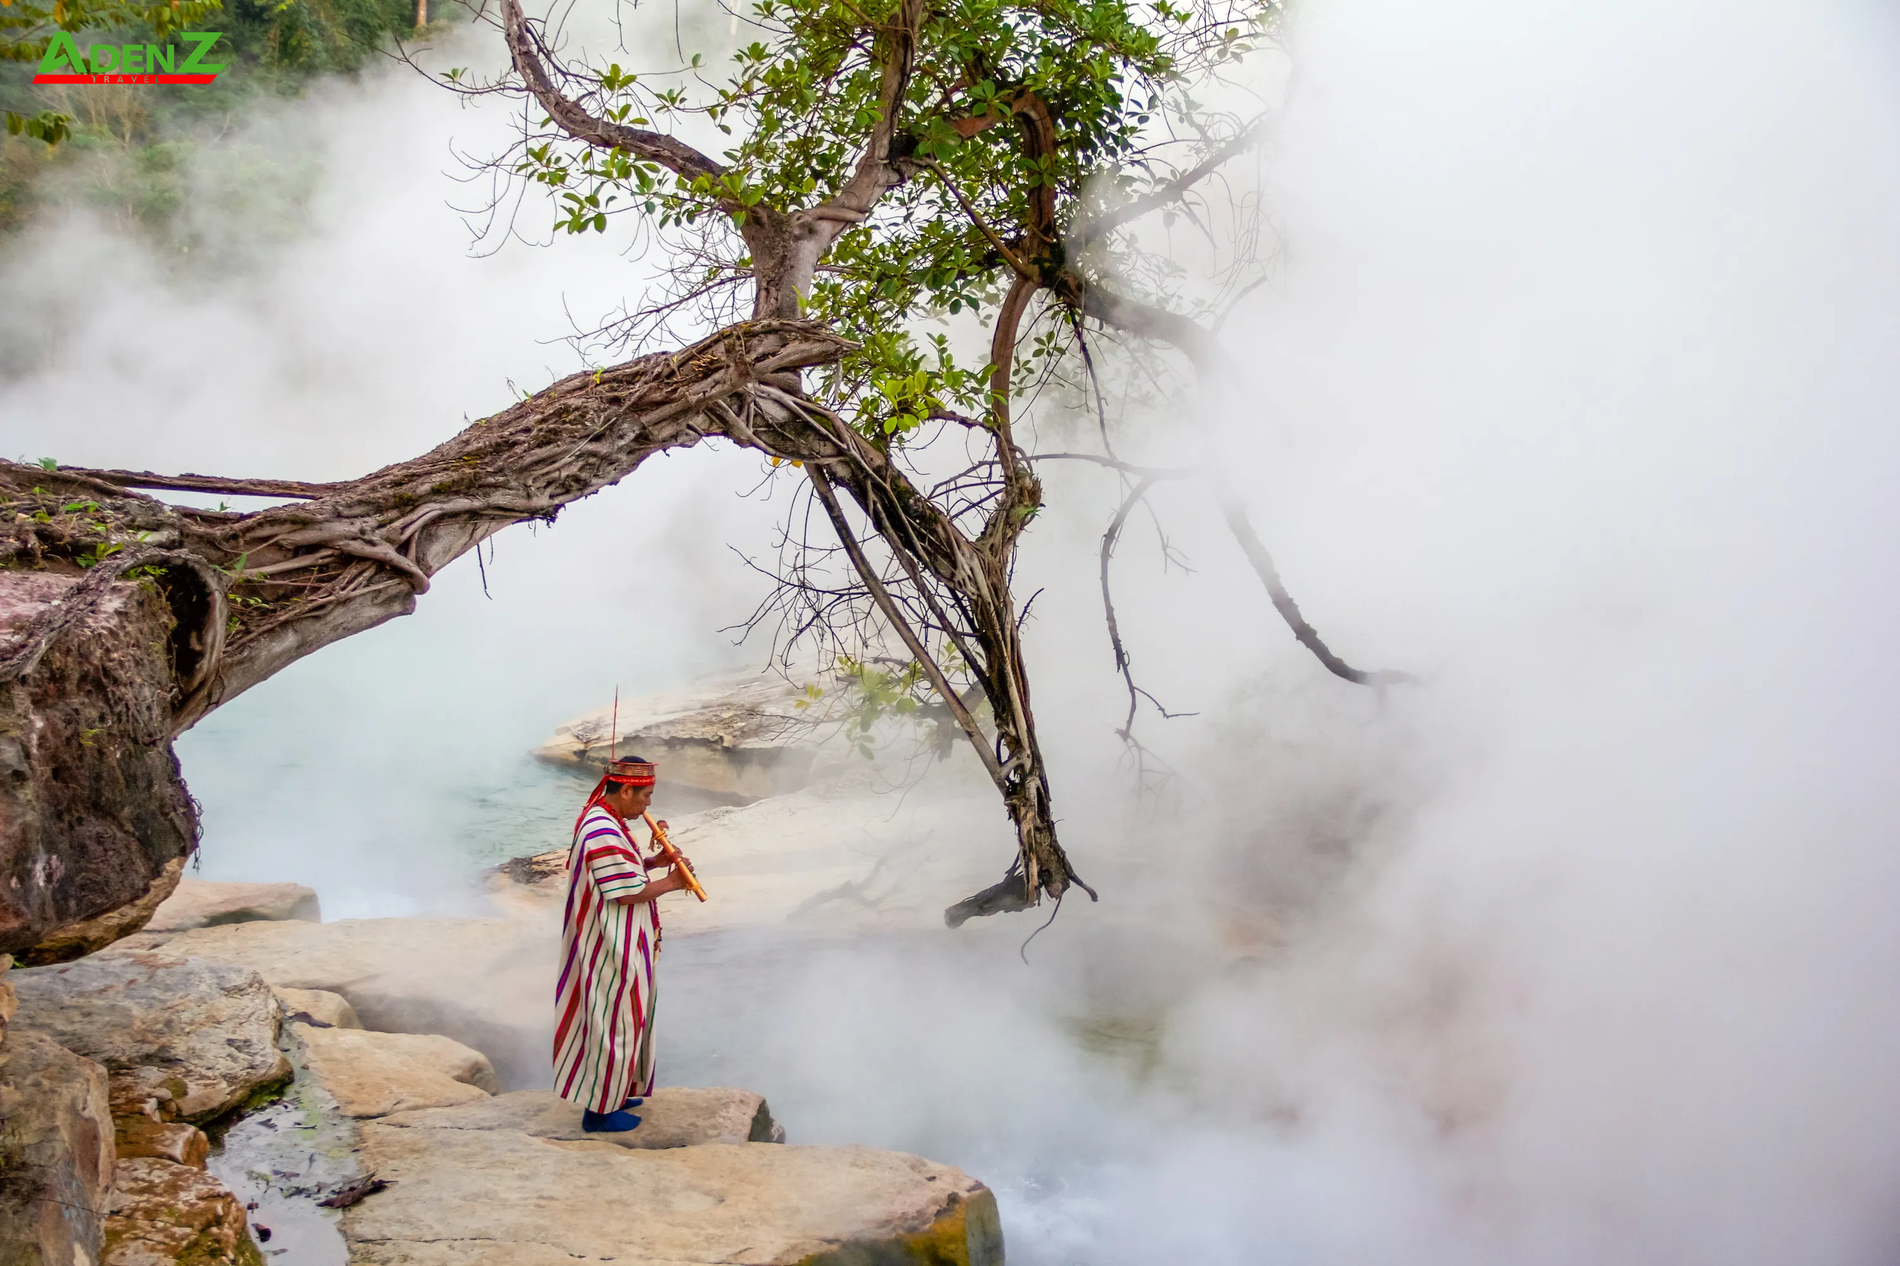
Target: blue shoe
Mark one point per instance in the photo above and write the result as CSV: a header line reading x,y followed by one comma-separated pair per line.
x,y
631,1104
608,1122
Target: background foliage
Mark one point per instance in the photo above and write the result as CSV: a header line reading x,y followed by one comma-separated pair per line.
x,y
126,149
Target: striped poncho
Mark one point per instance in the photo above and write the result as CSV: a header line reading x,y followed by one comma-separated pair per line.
x,y
603,1028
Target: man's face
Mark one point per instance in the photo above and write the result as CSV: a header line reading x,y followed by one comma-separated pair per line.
x,y
631,802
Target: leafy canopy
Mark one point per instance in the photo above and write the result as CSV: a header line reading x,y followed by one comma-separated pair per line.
x,y
1114,80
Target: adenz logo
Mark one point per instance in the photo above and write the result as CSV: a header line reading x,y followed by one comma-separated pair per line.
x,y
128,63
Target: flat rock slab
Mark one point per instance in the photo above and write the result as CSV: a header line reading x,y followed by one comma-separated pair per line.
x,y
504,1198
198,903
487,983
211,1025
672,1116
374,1074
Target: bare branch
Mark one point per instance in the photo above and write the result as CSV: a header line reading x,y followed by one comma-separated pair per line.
x,y
1149,474
1236,514
1172,191
901,626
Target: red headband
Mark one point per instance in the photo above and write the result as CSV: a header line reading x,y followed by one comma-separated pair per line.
x,y
629,773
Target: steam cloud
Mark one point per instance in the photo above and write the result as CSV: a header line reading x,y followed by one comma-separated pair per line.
x,y
1575,396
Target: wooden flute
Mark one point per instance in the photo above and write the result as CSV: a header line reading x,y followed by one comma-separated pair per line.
x,y
673,855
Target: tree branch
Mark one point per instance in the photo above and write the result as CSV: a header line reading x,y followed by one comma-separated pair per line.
x,y
674,155
284,488
1237,522
1173,191
901,626
1152,474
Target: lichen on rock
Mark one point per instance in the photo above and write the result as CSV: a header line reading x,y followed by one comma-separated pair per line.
x,y
165,1214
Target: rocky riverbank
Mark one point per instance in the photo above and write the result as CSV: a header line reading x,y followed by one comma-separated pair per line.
x,y
248,1084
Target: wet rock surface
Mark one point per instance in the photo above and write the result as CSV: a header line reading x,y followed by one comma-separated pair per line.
x,y
283,1159
672,1116
375,1074
55,1152
489,1197
211,1026
198,903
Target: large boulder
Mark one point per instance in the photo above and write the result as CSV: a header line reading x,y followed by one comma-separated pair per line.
x,y
55,1152
738,738
672,1116
487,983
374,1074
76,940
467,1197
212,1026
92,804
165,1214
200,903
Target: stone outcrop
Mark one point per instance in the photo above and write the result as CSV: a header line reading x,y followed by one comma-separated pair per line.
x,y
211,1026
199,903
173,904
76,940
672,1116
375,1074
318,1007
739,738
165,1214
502,1197
470,979
92,805
55,1152
145,1103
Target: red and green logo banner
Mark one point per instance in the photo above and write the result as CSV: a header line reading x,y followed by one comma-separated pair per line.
x,y
129,63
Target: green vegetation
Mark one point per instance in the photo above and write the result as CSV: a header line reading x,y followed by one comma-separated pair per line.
x,y
125,151
1027,133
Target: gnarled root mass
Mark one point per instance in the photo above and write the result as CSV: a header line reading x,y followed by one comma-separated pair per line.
x,y
124,620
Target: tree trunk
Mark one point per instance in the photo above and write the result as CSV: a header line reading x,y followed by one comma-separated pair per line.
x,y
128,619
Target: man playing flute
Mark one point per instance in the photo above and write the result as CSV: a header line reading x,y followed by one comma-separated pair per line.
x,y
610,934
